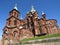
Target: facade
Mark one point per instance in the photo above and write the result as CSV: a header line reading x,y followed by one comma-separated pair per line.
x,y
17,28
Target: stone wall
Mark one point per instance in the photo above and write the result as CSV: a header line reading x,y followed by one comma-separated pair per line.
x,y
50,43
47,41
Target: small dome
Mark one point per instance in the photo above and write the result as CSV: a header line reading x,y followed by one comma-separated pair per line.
x,y
43,13
32,9
20,27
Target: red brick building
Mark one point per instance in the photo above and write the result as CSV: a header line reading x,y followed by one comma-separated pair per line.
x,y
17,28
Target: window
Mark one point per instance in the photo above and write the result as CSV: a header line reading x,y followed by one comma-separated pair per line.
x,y
17,15
27,22
15,32
15,22
5,32
38,24
9,22
52,26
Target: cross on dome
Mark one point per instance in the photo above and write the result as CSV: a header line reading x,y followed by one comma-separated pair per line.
x,y
32,9
43,13
15,7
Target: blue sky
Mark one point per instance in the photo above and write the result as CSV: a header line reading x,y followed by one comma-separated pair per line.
x,y
50,7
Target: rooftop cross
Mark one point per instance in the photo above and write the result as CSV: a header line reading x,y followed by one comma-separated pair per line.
x,y
32,9
43,13
15,7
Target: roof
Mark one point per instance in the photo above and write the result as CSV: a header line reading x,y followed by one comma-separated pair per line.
x,y
13,10
52,19
15,17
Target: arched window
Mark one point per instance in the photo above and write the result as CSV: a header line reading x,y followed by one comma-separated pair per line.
x,y
5,32
9,22
15,22
15,32
27,22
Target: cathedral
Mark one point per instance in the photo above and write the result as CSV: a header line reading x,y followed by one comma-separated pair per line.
x,y
31,26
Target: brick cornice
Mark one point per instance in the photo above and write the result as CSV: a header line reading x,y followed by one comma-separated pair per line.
x,y
14,17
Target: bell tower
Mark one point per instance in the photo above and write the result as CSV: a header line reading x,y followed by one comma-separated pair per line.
x,y
13,17
12,23
14,12
44,16
32,21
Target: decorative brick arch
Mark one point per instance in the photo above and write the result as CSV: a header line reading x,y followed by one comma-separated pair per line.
x,y
15,32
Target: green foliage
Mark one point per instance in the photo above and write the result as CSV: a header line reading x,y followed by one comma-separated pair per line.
x,y
41,37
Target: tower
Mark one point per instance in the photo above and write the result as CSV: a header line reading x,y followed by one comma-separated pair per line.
x,y
35,17
44,16
32,21
11,30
